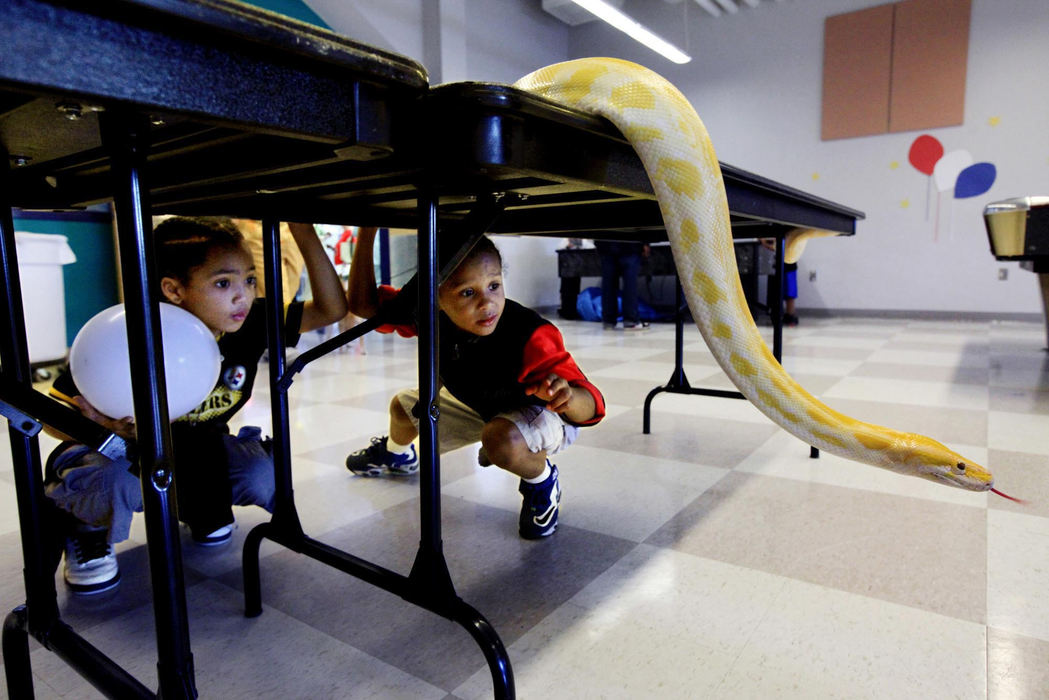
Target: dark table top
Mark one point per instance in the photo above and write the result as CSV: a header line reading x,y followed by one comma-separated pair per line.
x,y
253,114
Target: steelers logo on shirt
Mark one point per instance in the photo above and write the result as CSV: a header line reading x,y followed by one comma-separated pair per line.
x,y
234,378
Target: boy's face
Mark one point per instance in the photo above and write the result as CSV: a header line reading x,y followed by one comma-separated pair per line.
x,y
473,296
219,292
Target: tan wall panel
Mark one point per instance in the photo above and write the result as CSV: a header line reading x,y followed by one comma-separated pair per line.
x,y
857,54
930,52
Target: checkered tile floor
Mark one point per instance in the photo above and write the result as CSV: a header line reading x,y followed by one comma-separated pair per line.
x,y
711,558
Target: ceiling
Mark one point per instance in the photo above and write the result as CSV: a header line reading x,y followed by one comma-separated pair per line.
x,y
570,13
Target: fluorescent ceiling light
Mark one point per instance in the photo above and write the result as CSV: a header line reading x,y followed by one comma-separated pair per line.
x,y
710,7
635,29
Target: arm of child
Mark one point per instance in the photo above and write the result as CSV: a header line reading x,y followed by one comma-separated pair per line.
x,y
550,373
124,427
329,303
575,403
361,292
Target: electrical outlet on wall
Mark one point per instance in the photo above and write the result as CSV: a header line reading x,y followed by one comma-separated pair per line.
x,y
1003,273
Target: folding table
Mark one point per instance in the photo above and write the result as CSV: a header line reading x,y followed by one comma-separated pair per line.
x,y
212,107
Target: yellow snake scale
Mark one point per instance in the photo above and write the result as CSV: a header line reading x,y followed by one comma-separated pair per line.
x,y
677,154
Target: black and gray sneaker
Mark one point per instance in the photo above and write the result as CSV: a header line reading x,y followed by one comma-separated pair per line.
x,y
376,460
91,565
539,506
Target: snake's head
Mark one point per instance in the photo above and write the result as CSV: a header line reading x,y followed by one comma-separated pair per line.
x,y
936,462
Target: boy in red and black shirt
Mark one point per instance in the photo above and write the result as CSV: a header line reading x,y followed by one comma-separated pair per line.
x,y
507,380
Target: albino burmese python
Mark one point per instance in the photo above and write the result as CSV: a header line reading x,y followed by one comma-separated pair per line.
x,y
676,151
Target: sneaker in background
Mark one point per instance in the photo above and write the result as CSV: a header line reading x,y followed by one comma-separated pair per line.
x,y
376,460
539,506
90,563
217,538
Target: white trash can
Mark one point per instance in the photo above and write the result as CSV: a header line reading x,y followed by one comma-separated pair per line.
x,y
40,260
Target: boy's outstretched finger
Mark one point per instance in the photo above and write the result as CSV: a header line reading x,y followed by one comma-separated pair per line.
x,y
541,388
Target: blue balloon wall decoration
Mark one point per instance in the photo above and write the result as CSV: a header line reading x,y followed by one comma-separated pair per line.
x,y
974,180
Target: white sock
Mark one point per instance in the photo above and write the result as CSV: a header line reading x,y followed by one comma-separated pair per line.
x,y
397,448
542,477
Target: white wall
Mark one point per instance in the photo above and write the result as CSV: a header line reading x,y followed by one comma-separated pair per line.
x,y
484,40
755,80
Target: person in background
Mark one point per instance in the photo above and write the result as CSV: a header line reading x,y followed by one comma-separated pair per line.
x,y
790,286
620,260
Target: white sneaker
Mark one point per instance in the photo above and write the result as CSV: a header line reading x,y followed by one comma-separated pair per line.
x,y
90,564
217,538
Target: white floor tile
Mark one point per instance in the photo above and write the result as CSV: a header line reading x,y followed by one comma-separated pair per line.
x,y
787,457
1017,574
970,396
1019,432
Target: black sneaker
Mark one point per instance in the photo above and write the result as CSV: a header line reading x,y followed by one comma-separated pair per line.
x,y
539,506
91,565
376,460
790,320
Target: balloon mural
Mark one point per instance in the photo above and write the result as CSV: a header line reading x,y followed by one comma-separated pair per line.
x,y
952,171
99,362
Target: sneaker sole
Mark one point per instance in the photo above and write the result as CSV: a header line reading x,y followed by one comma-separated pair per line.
x,y
373,470
537,535
93,588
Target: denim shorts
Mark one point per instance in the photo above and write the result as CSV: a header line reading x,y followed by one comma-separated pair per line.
x,y
459,425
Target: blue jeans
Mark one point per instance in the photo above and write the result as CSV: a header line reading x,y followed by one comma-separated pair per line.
x,y
104,493
619,260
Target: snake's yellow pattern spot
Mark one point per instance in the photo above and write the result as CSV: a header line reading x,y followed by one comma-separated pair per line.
x,y
689,233
743,365
828,437
873,441
821,417
708,288
722,330
643,133
681,176
580,82
633,95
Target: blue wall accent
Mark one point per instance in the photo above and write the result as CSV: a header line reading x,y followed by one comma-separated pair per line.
x,y
91,282
296,9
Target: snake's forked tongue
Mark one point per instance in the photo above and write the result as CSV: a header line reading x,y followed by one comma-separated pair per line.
x,y
1015,500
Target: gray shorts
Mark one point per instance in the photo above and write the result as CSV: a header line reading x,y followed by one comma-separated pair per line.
x,y
459,425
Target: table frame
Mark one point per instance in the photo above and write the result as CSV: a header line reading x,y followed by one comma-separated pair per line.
x,y
505,162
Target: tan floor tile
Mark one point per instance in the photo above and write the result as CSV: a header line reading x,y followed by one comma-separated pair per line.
x,y
1021,475
958,424
923,373
709,441
1020,399
902,550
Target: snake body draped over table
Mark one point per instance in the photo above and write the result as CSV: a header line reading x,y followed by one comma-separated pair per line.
x,y
677,154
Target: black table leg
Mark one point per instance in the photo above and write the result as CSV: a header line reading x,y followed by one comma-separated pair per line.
x,y
125,136
678,383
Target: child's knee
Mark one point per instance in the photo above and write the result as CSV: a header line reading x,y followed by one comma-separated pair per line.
x,y
503,442
398,412
251,471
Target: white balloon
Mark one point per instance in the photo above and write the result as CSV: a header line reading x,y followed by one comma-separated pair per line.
x,y
946,170
99,363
